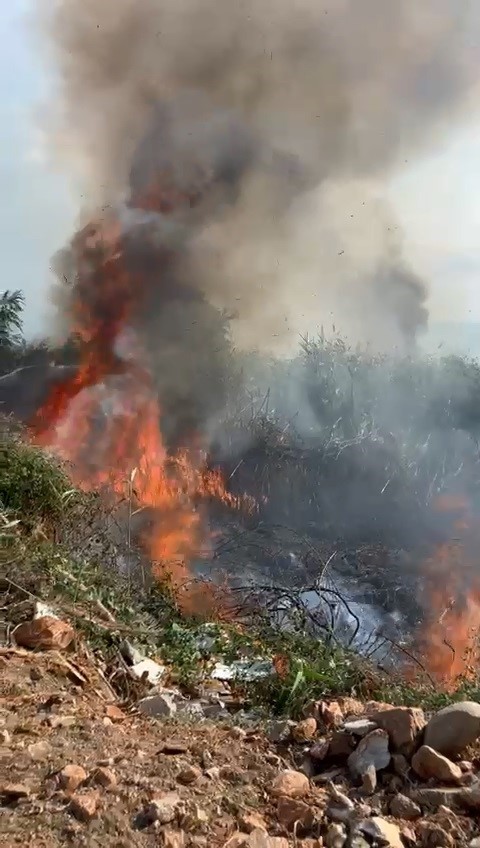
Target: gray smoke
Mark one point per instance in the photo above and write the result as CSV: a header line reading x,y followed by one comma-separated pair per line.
x,y
295,115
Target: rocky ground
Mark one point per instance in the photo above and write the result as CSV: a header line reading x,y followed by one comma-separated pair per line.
x,y
81,767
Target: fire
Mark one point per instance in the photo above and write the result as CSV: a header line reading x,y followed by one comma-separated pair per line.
x,y
449,642
111,436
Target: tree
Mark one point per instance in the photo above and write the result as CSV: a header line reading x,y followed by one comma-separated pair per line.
x,y
11,318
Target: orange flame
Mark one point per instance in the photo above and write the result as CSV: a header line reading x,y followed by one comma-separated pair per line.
x,y
449,642
123,449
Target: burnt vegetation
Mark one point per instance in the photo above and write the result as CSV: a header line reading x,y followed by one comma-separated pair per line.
x,y
346,453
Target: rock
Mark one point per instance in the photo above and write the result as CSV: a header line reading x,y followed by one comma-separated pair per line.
x,y
39,751
238,732
207,760
341,745
279,731
305,730
311,843
307,767
233,774
44,634
403,725
400,764
194,710
470,796
373,707
409,836
435,797
335,836
359,727
238,840
372,751
331,714
466,766
259,839
475,843
393,782
84,807
433,835
329,775
320,750
351,707
428,763
358,841
174,839
104,777
14,791
163,810
402,807
248,822
71,777
115,714
213,773
294,814
454,728
156,706
292,784
369,780
5,737
340,807
189,774
383,832
61,721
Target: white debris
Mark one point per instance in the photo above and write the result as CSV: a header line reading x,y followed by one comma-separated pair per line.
x,y
152,670
243,669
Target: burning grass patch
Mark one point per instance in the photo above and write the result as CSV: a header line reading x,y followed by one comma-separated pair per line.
x,y
44,564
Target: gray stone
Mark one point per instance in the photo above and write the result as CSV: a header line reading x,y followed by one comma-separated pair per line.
x,y
470,796
402,807
454,728
335,837
340,807
279,731
435,797
192,710
369,780
382,831
164,810
157,706
359,726
372,751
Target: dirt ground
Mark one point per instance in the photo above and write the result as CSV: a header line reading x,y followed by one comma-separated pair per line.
x,y
47,723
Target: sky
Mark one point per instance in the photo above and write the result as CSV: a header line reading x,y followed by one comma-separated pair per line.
x,y
437,199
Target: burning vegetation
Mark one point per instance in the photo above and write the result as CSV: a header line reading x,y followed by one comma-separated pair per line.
x,y
237,179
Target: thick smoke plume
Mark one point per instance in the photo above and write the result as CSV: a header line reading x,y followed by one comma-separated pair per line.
x,y
293,115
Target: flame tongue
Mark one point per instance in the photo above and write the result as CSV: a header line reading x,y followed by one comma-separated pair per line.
x,y
449,642
111,435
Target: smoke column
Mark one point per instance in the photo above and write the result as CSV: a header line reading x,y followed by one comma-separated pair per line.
x,y
295,114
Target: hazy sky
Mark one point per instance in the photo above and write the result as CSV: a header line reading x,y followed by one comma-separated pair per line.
x,y
437,200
